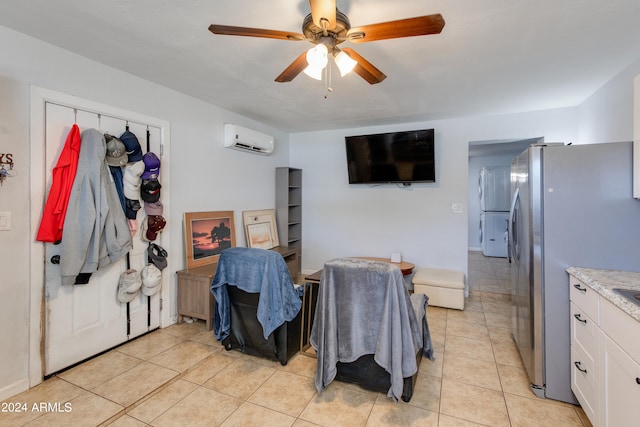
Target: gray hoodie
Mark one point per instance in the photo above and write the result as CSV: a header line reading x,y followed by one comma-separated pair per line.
x,y
95,227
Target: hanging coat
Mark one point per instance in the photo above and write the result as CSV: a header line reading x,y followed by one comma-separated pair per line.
x,y
63,175
95,230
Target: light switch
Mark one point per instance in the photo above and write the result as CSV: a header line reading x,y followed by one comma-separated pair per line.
x,y
5,221
456,207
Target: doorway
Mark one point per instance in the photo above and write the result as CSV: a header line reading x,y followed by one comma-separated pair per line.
x,y
488,273
70,323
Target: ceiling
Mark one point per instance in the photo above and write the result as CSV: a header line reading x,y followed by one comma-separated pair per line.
x,y
492,57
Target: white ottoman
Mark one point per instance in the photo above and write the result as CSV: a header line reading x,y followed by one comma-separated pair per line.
x,y
445,288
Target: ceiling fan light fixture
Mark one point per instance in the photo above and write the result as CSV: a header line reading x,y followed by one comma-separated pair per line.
x,y
317,56
314,72
345,63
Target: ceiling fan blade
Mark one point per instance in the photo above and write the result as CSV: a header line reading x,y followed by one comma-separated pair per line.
x,y
418,26
254,32
295,68
323,10
364,68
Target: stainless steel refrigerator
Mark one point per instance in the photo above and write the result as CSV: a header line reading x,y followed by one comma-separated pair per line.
x,y
571,206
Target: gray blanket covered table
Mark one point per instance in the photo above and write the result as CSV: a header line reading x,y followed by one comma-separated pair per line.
x,y
364,308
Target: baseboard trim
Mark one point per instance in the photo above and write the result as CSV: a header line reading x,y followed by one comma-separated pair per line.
x,y
13,389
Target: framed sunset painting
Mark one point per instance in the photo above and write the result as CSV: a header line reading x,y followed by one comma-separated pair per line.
x,y
206,234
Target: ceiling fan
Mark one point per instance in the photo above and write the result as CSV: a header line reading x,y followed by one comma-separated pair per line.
x,y
326,27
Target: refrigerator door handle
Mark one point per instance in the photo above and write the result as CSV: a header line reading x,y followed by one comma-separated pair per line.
x,y
514,244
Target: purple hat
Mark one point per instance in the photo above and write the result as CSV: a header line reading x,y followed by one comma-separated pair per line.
x,y
151,166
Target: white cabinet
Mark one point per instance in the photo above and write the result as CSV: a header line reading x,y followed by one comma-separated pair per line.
x,y
605,358
621,380
620,353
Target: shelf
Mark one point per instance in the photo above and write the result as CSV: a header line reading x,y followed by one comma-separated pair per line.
x,y
289,207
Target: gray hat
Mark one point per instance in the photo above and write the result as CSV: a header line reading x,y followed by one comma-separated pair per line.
x,y
151,280
129,285
157,256
116,151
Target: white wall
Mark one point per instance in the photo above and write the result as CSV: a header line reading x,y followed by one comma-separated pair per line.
x,y
351,220
14,244
607,115
204,175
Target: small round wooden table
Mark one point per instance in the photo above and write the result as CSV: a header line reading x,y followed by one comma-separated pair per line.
x,y
405,267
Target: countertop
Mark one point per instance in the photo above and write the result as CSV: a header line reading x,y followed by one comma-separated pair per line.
x,y
604,281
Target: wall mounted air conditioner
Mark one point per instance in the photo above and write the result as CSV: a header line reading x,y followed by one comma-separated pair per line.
x,y
243,139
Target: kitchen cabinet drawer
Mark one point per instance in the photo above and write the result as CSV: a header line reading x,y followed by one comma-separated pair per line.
x,y
584,382
585,298
583,330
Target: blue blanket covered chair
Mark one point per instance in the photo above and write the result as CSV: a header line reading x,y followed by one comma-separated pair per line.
x,y
367,329
257,308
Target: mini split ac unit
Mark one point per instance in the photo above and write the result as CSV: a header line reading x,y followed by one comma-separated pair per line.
x,y
241,138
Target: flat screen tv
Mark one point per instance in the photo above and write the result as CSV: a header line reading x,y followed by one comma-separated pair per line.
x,y
394,157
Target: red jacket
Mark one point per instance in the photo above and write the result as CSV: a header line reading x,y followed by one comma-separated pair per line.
x,y
63,173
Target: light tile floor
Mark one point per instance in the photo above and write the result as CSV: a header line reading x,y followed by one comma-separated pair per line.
x,y
180,376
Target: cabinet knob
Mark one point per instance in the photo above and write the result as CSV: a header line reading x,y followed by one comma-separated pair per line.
x,y
579,367
580,288
580,319
55,259
637,380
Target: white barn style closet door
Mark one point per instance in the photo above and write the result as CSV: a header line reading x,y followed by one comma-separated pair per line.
x,y
81,321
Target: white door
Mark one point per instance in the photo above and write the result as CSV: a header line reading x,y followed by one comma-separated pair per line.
x,y
84,320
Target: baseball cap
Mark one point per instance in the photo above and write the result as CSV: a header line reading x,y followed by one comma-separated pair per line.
x,y
155,224
116,152
150,190
131,179
151,166
157,256
129,285
153,208
132,145
151,279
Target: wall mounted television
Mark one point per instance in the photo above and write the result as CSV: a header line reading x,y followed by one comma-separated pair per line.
x,y
393,157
